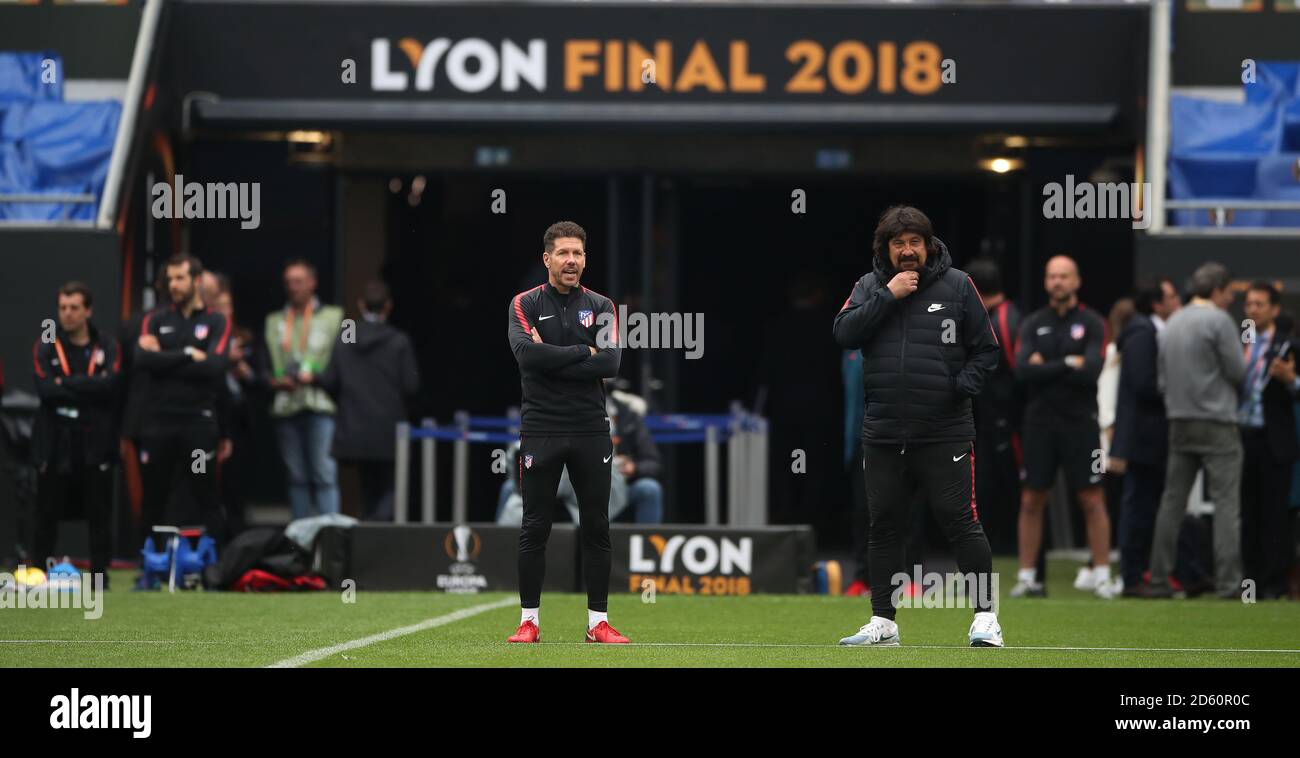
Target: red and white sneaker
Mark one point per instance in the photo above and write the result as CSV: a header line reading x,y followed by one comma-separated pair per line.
x,y
857,589
527,632
606,634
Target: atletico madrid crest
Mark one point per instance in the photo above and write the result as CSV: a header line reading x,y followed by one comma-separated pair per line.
x,y
200,331
586,318
1077,331
528,461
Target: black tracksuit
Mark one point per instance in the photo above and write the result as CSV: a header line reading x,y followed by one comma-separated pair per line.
x,y
1060,428
74,443
924,356
563,423
181,417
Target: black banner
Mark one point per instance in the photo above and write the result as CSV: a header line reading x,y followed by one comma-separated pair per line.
x,y
661,53
698,560
463,558
1088,702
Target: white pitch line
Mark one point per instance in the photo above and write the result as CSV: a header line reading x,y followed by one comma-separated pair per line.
x,y
947,647
315,655
113,642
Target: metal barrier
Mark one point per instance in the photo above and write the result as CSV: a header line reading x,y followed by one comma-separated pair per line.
x,y
743,433
1219,209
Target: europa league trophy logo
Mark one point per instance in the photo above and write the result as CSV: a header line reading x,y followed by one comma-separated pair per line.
x,y
462,535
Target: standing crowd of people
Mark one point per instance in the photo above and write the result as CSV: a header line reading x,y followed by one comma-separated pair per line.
x,y
171,396
1133,411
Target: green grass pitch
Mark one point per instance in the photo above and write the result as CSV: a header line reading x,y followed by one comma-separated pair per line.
x,y
1067,629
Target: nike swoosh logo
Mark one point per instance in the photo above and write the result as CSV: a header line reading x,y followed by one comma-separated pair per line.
x,y
963,455
606,460
934,307
165,330
543,318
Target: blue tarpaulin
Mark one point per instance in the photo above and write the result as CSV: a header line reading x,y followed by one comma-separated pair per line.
x,y
61,148
25,77
1228,150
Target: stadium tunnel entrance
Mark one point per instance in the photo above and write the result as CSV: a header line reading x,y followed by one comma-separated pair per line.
x,y
686,190
762,234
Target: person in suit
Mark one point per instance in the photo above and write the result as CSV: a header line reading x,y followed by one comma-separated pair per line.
x,y
1267,419
1141,442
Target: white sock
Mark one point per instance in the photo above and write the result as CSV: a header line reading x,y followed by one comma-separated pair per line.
x,y
531,614
1029,575
1101,575
595,617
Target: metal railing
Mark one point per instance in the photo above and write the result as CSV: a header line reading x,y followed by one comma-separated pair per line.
x,y
1221,207
744,434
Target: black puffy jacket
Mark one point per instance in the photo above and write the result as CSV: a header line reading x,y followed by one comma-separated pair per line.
x,y
924,357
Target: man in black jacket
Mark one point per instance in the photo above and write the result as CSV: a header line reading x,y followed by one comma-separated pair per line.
x,y
927,348
565,339
74,443
1268,438
1059,357
372,378
183,347
1141,442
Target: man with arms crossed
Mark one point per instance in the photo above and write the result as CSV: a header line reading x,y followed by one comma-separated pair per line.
x,y
563,423
1062,346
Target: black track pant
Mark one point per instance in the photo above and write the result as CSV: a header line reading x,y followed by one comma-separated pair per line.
x,y
541,462
168,461
945,472
93,487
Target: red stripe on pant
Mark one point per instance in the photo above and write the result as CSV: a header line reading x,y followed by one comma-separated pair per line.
x,y
974,512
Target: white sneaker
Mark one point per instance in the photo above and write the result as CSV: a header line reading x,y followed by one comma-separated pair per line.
x,y
985,632
1084,581
1028,589
877,632
1110,590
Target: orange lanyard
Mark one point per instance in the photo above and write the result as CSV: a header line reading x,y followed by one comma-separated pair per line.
x,y
287,342
63,360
